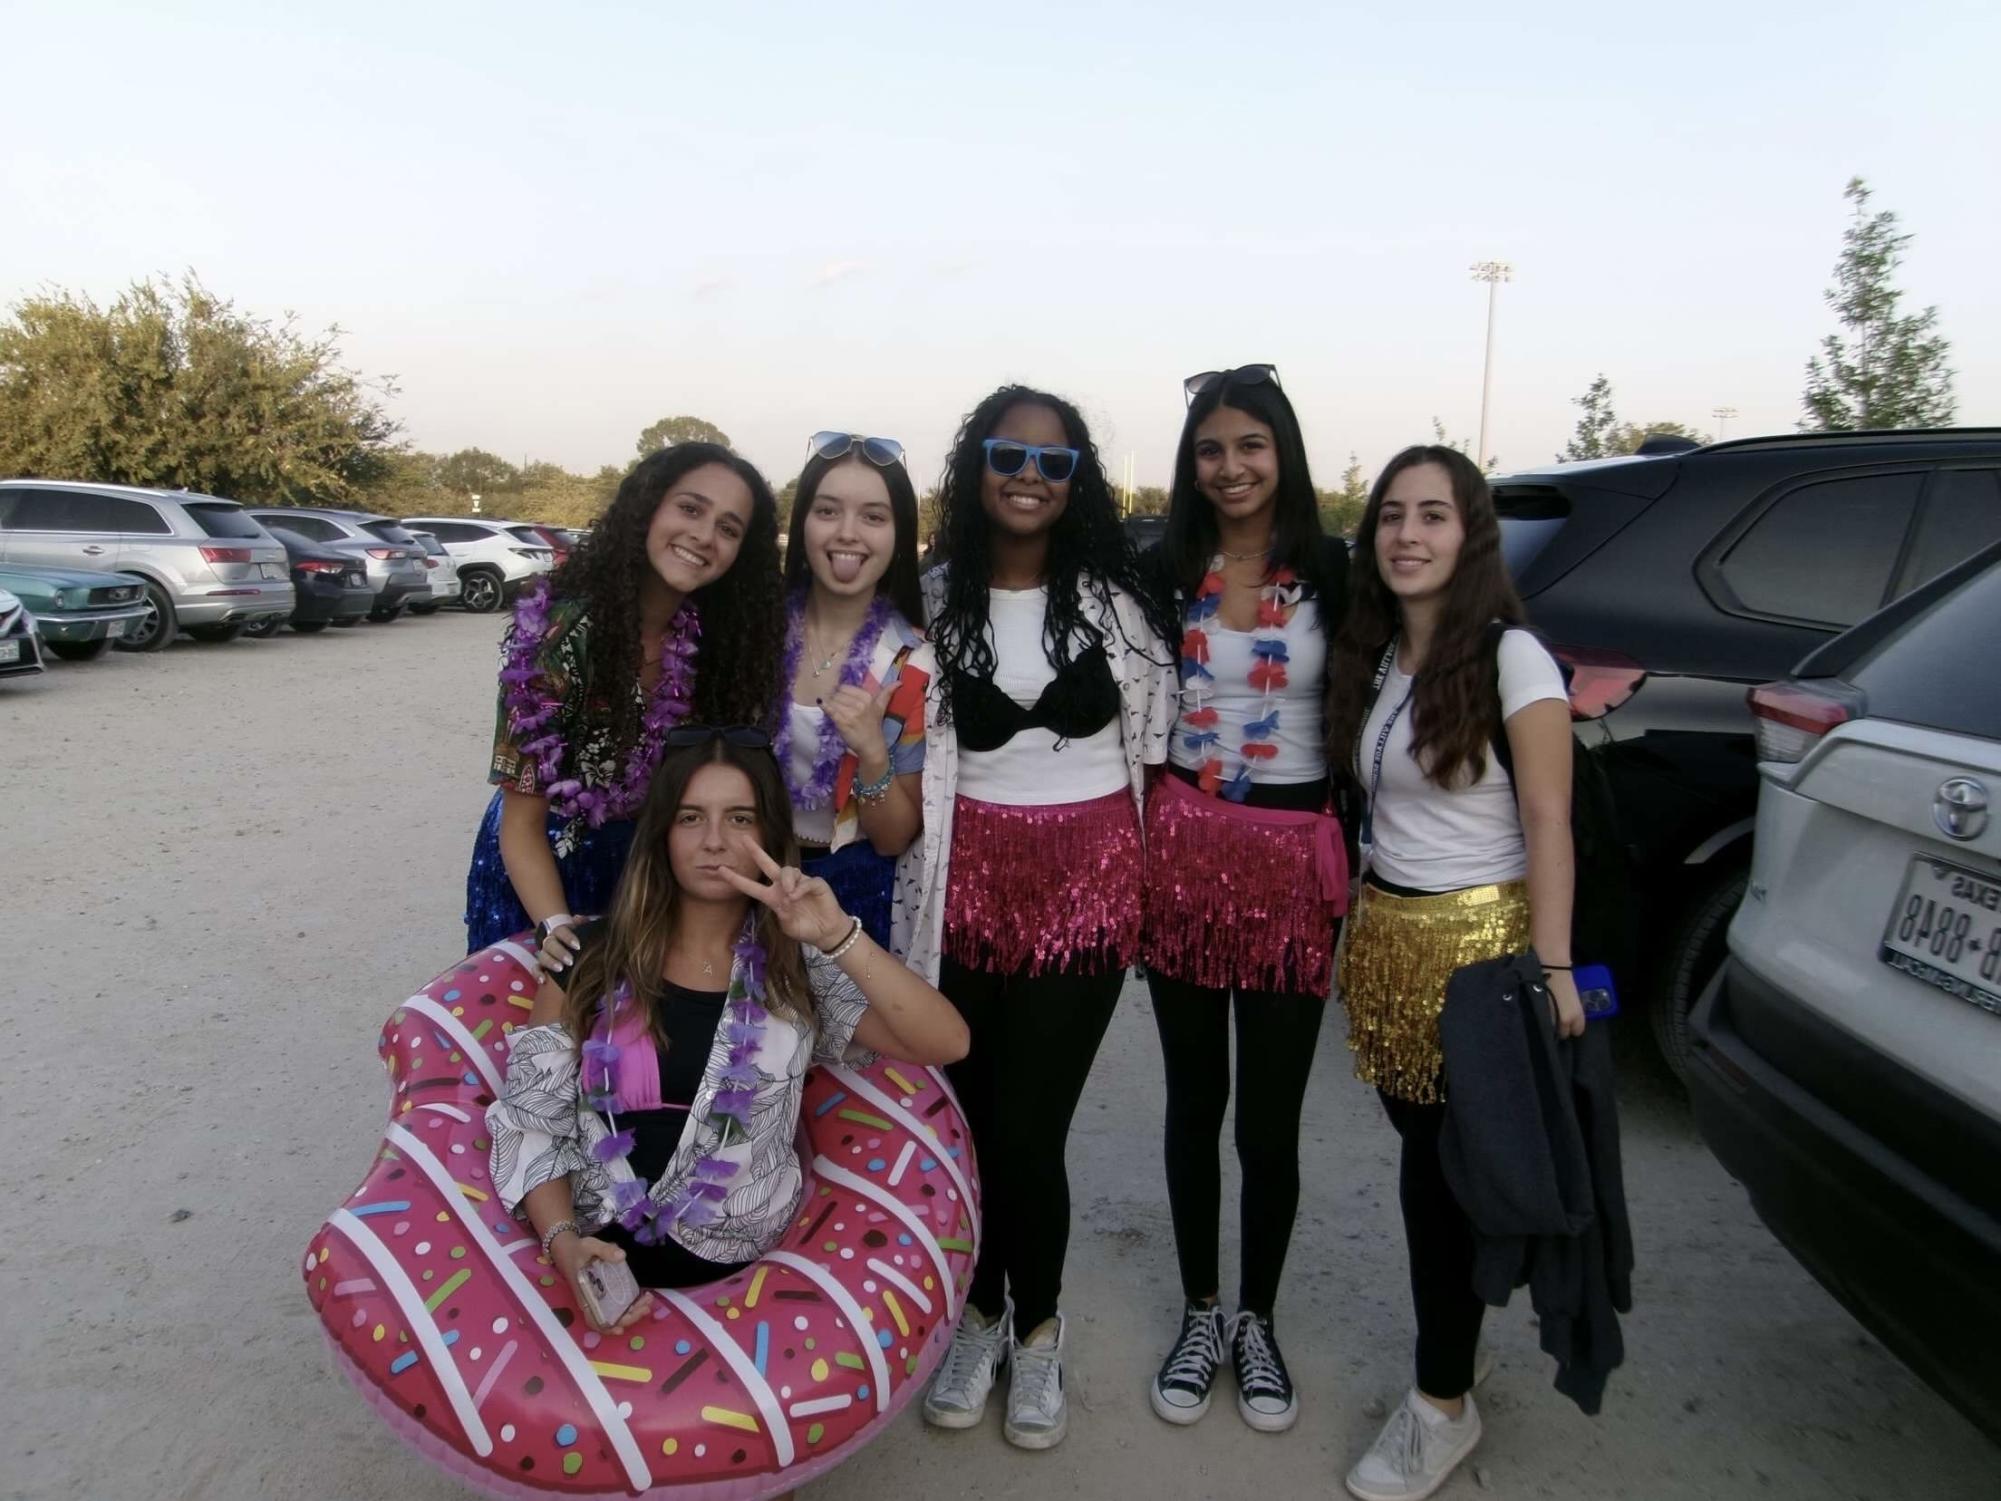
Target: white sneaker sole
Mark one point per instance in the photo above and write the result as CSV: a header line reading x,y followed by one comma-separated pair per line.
x,y
1268,1422
1037,1438
1466,1447
1167,1412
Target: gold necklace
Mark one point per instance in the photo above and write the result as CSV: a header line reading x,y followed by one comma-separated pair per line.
x,y
1245,557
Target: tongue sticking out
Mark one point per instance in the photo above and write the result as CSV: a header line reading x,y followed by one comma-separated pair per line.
x,y
845,566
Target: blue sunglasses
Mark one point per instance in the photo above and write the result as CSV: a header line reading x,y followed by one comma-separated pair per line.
x,y
1008,458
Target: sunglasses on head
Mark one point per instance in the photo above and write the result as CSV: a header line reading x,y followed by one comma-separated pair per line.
x,y
881,452
1243,375
741,736
1008,458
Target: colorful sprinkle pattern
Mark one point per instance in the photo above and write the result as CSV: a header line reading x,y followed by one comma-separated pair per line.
x,y
445,1313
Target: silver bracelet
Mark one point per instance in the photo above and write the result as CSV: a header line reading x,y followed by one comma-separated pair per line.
x,y
549,1235
854,937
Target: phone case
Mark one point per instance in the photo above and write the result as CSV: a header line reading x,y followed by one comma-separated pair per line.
x,y
608,1288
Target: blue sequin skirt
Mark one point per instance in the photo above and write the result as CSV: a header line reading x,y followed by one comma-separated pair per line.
x,y
862,880
589,873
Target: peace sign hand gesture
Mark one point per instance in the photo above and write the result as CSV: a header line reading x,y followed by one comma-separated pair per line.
x,y
804,905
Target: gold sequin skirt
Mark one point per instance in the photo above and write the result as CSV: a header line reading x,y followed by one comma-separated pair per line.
x,y
1400,952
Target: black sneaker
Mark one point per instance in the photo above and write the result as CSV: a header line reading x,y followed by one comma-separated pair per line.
x,y
1264,1387
1181,1388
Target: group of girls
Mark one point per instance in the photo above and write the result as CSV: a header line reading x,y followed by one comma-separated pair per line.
x,y
759,814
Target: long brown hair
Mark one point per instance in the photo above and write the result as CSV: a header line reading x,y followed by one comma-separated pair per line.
x,y
640,929
1456,702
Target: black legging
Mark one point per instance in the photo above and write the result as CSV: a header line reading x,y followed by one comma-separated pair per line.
x,y
1439,1238
1276,1036
1033,1042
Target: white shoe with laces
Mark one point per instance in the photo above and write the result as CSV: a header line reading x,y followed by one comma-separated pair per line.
x,y
1417,1449
1038,1414
958,1395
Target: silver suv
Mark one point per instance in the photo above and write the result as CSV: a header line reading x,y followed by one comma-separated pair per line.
x,y
393,558
209,568
495,558
443,570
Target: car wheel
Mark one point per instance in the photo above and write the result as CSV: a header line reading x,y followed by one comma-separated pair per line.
x,y
481,593
156,628
216,633
347,622
1700,944
309,627
383,617
259,629
79,651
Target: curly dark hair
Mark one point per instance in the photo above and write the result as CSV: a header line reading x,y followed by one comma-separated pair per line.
x,y
1456,702
1088,549
743,612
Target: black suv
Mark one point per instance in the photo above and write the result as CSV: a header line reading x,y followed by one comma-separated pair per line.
x,y
1670,584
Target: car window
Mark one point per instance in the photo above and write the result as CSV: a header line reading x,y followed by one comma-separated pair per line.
x,y
1961,515
453,531
316,527
389,531
123,514
218,519
529,535
1938,670
59,511
1824,552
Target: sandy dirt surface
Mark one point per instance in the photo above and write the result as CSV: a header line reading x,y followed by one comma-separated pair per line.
x,y
226,864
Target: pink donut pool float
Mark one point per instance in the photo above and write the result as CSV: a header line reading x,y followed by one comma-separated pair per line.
x,y
441,1309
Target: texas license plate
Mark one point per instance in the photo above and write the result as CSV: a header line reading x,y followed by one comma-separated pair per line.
x,y
1945,930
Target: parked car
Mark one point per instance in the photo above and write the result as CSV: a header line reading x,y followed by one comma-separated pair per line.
x,y
332,586
20,646
393,559
205,565
1671,583
1847,1059
494,559
554,538
1146,531
78,611
443,572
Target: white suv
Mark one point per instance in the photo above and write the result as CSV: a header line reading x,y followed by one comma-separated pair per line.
x,y
494,558
1847,1059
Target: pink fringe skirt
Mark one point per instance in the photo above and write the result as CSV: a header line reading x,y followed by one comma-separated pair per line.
x,y
1037,889
1240,897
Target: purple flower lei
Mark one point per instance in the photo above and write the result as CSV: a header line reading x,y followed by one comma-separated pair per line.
x,y
819,789
695,1202
531,707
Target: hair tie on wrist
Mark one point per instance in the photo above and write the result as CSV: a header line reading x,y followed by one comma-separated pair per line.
x,y
853,938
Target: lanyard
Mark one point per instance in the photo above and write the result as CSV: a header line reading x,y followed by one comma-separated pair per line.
x,y
1368,831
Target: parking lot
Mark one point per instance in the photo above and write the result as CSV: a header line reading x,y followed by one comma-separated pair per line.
x,y
225,865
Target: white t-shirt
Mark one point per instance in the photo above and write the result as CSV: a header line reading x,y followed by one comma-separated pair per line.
x,y
809,825
1301,737
1435,838
1032,770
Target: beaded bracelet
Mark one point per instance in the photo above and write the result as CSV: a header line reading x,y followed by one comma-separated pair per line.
x,y
549,1235
854,937
876,791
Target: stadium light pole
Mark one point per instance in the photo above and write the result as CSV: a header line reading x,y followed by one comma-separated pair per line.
x,y
1493,273
1722,416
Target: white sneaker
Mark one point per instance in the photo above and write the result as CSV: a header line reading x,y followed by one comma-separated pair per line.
x,y
958,1395
1418,1447
1037,1413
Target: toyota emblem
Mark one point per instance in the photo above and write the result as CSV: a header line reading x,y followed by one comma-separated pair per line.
x,y
1960,809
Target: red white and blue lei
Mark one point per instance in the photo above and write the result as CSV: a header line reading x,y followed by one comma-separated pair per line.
x,y
1278,601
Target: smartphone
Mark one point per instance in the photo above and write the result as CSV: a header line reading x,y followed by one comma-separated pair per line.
x,y
1596,990
608,1289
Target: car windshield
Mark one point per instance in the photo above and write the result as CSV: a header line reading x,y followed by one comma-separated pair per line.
x,y
218,518
1938,670
389,531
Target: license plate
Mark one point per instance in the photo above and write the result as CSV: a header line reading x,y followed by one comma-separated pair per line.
x,y
10,651
113,629
271,570
1945,930
357,581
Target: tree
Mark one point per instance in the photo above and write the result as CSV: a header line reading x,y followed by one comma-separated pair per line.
x,y
1628,436
474,471
1341,510
1464,445
171,386
1596,427
1149,500
1889,370
671,430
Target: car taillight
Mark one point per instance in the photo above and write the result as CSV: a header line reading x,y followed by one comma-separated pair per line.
x,y
317,565
225,554
1600,681
1791,717
430,562
384,552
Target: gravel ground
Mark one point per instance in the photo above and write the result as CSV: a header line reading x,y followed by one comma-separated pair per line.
x,y
227,863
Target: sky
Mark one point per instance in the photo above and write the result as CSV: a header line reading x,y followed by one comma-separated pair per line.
x,y
552,225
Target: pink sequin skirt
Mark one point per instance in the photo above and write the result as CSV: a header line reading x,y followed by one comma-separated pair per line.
x,y
1240,897
1037,889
